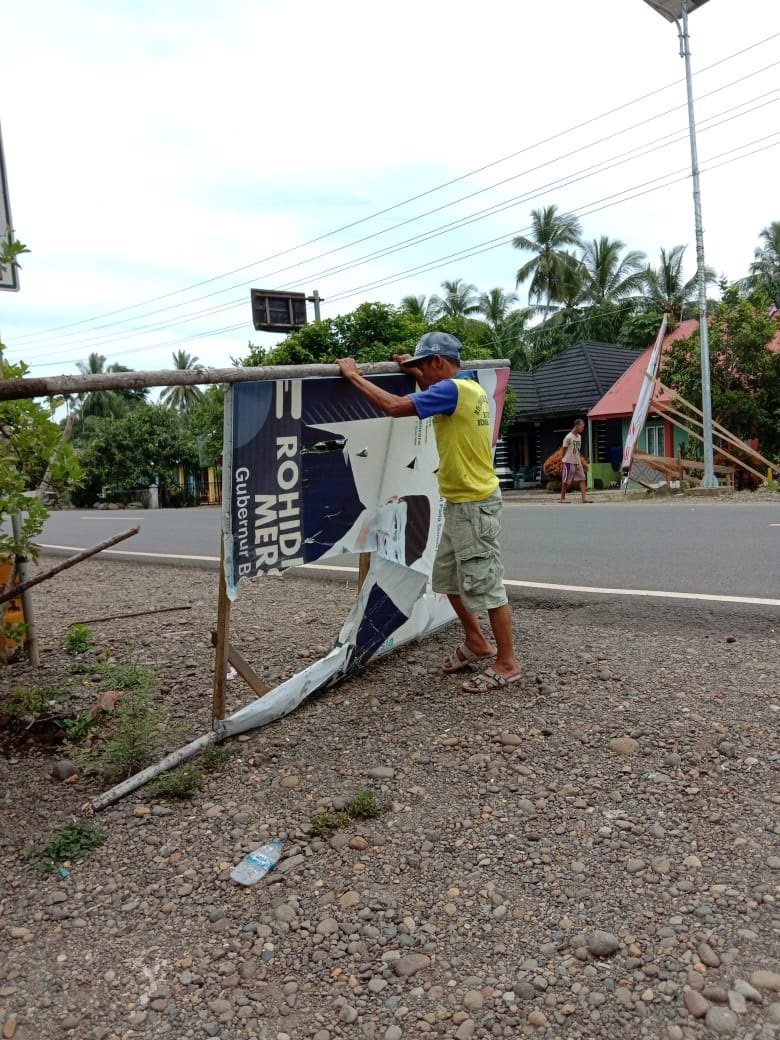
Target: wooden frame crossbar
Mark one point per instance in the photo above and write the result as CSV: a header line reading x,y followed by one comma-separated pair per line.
x,y
721,430
691,425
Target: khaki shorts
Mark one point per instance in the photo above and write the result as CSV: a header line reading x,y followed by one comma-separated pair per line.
x,y
468,560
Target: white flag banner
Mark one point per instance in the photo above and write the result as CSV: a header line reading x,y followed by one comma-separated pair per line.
x,y
642,406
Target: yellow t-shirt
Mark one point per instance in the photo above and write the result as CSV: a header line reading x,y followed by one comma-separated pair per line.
x,y
461,423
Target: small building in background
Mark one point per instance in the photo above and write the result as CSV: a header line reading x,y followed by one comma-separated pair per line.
x,y
552,396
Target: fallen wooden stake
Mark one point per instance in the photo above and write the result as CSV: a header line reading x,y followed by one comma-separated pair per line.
x,y
70,562
137,613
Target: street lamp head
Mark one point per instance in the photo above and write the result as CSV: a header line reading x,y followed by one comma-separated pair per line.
x,y
672,10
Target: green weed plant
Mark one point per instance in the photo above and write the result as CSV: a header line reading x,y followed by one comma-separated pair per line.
x,y
363,806
31,701
77,640
70,844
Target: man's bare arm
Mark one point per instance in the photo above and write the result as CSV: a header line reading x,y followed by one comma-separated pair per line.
x,y
391,404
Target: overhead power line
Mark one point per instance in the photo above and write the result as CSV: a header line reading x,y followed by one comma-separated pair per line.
x,y
410,220
99,341
585,123
612,200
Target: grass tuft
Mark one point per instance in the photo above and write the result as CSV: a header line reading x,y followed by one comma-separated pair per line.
x,y
363,806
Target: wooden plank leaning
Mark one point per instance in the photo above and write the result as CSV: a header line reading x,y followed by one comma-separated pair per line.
x,y
721,430
721,451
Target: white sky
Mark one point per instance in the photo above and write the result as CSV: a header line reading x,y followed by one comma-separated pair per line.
x,y
154,144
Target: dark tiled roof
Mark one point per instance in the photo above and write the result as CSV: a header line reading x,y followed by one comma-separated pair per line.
x,y
571,382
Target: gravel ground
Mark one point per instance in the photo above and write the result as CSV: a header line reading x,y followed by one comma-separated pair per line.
x,y
591,855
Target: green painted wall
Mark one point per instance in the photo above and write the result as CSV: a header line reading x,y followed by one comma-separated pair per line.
x,y
604,472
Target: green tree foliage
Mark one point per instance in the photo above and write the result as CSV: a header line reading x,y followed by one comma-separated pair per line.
x,y
744,373
205,421
608,276
29,441
372,332
667,289
11,250
640,329
459,300
419,307
138,449
765,269
104,404
496,307
182,398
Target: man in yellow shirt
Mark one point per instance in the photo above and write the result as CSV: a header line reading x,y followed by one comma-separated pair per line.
x,y
467,568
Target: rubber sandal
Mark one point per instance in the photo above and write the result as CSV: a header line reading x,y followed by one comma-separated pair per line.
x,y
490,680
462,658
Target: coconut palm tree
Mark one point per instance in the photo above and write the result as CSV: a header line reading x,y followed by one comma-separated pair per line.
x,y
551,232
418,307
459,300
182,398
496,306
606,276
665,287
765,269
105,404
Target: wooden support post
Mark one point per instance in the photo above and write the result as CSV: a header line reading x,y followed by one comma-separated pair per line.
x,y
223,639
364,562
30,639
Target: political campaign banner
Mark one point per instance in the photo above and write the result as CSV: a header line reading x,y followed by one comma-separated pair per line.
x,y
313,471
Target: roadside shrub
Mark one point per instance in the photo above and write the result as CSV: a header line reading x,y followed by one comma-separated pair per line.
x,y
553,466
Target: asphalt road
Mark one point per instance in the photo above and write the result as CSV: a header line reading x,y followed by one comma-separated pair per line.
x,y
706,548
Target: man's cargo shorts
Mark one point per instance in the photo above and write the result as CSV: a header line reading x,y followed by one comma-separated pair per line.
x,y
468,560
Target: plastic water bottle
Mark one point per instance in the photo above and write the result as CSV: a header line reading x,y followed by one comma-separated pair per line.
x,y
257,864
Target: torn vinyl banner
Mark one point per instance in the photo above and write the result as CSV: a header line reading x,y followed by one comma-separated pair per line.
x,y
313,471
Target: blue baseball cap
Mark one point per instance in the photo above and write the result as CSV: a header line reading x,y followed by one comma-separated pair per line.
x,y
436,344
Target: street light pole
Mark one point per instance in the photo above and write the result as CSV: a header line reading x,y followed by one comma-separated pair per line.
x,y
709,479
677,11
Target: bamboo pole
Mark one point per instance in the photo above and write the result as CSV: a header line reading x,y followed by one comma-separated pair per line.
x,y
134,782
51,386
247,673
70,562
30,638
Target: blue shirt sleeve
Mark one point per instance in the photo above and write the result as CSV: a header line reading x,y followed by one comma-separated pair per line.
x,y
439,399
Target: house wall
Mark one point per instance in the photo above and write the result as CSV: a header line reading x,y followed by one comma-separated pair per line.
x,y
530,444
